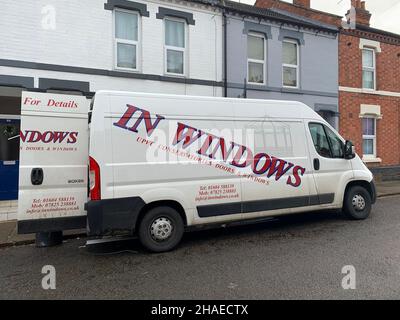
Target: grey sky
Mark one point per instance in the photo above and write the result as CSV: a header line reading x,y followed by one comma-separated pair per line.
x,y
385,13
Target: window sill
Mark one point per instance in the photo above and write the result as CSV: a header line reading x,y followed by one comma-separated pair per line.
x,y
128,70
287,89
371,160
175,75
257,84
366,90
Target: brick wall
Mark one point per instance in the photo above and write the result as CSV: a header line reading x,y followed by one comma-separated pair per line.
x,y
388,79
350,64
387,128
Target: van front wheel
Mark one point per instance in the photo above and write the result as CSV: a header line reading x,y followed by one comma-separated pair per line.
x,y
357,203
161,229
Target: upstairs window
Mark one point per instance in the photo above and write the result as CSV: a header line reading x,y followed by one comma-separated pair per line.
x,y
175,46
368,69
256,59
126,39
290,63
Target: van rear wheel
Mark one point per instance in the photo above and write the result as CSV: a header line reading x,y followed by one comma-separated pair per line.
x,y
161,229
357,203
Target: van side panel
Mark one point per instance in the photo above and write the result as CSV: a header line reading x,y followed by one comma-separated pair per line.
x,y
156,164
282,191
221,160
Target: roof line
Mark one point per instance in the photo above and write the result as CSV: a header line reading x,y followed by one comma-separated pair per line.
x,y
379,31
284,18
311,9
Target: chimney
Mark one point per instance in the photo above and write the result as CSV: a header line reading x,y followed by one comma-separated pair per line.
x,y
362,15
302,3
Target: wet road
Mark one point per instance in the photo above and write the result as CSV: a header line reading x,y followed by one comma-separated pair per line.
x,y
291,258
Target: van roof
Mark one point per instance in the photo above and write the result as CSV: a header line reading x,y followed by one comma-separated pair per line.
x,y
254,107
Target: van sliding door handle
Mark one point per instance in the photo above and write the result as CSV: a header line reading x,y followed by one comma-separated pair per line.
x,y
37,176
316,164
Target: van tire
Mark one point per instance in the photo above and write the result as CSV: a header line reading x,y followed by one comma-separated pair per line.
x,y
357,203
161,229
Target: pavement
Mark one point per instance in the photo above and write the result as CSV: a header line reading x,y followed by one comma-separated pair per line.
x,y
10,237
305,256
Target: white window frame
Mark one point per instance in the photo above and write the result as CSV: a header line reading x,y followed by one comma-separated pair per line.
x,y
292,65
124,41
166,47
370,137
263,62
373,69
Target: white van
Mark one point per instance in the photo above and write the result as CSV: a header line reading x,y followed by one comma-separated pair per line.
x,y
159,164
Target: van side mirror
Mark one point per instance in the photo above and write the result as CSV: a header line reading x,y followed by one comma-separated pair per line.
x,y
349,150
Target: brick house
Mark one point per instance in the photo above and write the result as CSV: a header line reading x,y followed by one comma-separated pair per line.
x,y
369,83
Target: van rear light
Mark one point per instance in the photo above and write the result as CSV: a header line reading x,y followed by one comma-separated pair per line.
x,y
94,179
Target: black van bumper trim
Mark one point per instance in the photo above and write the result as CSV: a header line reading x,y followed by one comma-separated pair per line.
x,y
263,205
51,224
107,216
373,192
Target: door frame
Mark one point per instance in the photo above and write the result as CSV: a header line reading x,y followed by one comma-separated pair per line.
x,y
14,118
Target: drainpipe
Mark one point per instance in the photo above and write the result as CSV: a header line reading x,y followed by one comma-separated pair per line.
x,y
225,21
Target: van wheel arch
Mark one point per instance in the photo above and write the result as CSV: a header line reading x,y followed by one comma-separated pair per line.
x,y
168,203
359,183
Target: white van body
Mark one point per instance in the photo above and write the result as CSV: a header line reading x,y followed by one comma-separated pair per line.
x,y
213,160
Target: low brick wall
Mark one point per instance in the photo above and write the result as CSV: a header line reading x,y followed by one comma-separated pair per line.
x,y
391,173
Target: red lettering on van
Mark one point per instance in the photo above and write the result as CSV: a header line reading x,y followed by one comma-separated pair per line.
x,y
279,169
144,115
240,161
186,134
222,147
243,156
32,136
297,172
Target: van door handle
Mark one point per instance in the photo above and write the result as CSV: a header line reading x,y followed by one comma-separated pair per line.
x,y
316,164
37,176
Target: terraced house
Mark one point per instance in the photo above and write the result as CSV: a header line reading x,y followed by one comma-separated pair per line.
x,y
271,55
85,46
194,47
369,83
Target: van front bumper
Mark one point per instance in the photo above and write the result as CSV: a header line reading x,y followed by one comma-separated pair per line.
x,y
105,217
373,192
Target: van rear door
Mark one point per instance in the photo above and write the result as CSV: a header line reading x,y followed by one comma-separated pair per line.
x,y
53,174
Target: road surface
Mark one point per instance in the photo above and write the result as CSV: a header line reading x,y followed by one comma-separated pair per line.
x,y
297,257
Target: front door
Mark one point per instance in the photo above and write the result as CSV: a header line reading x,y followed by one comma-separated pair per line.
x,y
9,157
